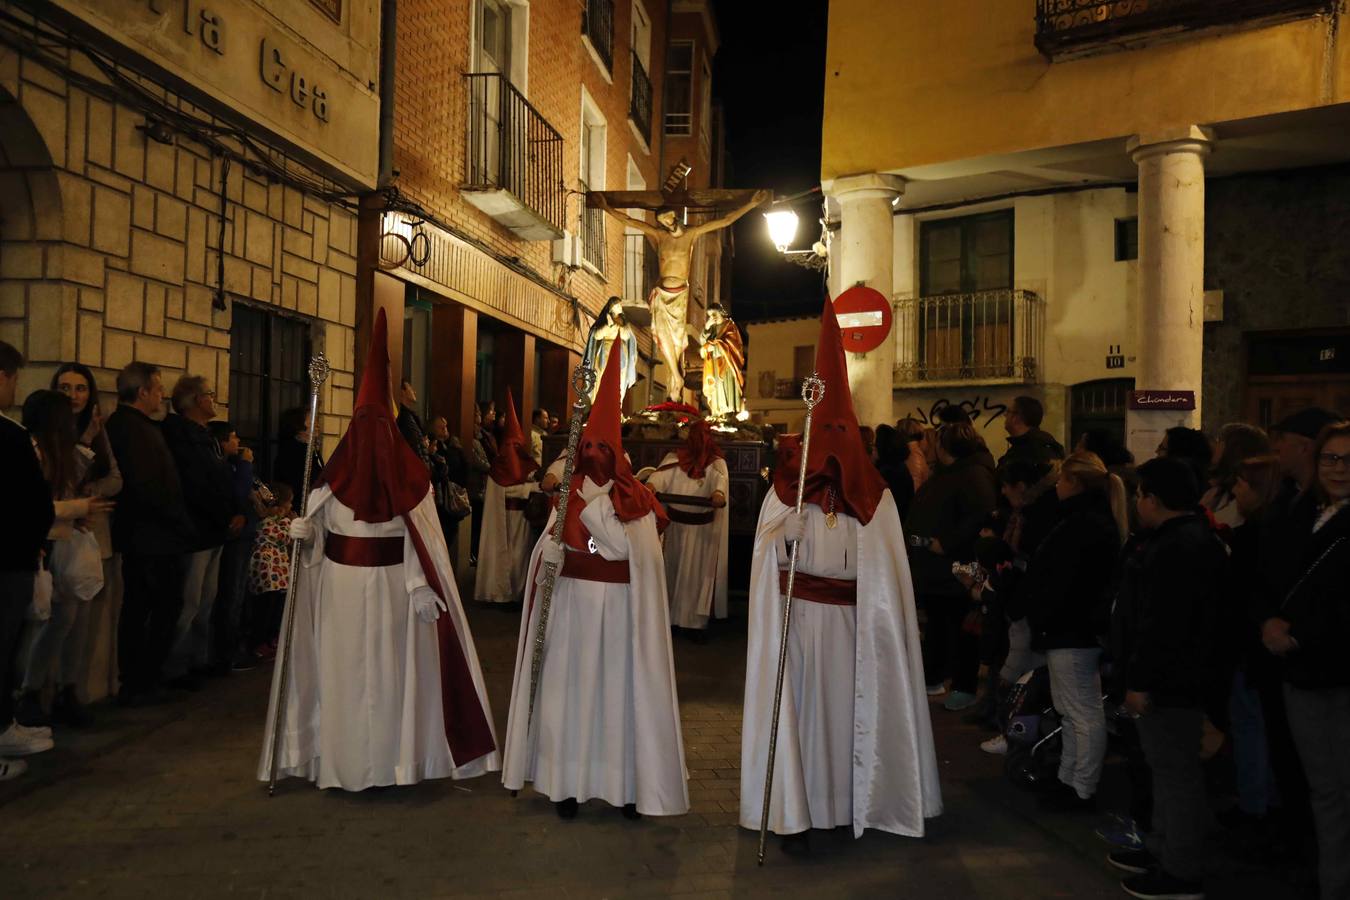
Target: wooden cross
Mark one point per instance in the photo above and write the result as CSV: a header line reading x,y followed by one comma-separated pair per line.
x,y
675,194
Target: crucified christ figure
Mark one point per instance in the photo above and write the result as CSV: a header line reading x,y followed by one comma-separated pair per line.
x,y
669,299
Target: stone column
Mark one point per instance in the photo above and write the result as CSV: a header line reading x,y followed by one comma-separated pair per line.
x,y
866,241
1171,276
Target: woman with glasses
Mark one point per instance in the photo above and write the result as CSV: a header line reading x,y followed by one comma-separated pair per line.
x,y
1308,633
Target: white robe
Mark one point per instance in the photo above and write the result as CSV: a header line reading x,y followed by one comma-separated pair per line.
x,y
855,743
505,545
696,555
364,694
607,720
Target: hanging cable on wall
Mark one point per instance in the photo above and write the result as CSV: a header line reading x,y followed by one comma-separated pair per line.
x,y
219,302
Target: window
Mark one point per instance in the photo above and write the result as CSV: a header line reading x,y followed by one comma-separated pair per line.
x,y
965,255
493,46
597,26
1127,239
642,35
803,362
705,108
680,89
269,374
593,130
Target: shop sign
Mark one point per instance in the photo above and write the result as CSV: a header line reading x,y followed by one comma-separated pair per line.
x,y
1162,400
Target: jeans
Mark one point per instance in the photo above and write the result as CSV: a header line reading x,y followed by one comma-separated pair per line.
x,y
1021,659
192,641
1251,757
1320,721
152,597
16,594
51,639
227,633
1171,740
1076,691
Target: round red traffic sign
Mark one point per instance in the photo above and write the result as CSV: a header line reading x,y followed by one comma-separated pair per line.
x,y
864,316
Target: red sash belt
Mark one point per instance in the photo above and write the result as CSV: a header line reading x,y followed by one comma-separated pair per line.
x,y
702,517
594,567
365,552
517,503
820,589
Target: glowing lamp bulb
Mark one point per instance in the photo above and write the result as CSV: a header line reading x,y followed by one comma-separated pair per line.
x,y
782,227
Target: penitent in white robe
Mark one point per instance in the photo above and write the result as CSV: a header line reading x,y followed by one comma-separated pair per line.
x,y
364,703
696,555
607,720
855,743
505,545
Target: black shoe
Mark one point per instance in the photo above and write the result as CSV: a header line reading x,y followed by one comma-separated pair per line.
x,y
797,844
566,809
1065,799
629,811
68,710
1136,862
1161,886
28,711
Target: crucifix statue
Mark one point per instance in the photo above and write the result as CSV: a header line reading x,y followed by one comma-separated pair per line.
x,y
674,243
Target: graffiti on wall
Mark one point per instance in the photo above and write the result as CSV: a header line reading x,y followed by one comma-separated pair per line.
x,y
983,411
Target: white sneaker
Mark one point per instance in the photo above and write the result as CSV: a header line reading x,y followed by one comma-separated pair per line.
x,y
12,768
38,731
997,745
19,741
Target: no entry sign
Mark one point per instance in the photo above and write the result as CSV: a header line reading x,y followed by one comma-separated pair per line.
x,y
864,318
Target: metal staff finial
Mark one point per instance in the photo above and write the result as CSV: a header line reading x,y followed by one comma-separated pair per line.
x,y
813,391
318,374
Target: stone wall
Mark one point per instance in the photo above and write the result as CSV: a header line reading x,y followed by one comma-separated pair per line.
x,y
1275,244
110,241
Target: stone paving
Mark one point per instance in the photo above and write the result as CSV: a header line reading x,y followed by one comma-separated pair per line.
x,y
162,802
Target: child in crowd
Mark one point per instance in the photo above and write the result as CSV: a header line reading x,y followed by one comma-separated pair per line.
x,y
269,572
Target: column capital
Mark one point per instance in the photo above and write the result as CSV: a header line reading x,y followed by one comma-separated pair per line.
x,y
866,186
1182,139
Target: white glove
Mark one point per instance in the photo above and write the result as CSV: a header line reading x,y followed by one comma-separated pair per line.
x,y
590,490
794,527
551,552
428,605
301,529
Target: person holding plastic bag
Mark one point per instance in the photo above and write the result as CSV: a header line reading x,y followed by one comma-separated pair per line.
x,y
75,562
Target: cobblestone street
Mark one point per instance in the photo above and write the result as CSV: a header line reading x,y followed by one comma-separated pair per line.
x,y
162,802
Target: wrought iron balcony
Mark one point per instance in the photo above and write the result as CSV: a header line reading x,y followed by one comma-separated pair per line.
x,y
514,164
640,103
639,268
1074,27
597,23
991,336
592,237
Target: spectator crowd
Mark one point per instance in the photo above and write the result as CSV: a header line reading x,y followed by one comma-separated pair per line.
x,y
1184,614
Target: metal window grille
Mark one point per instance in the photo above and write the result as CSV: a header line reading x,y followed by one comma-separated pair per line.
x,y
639,267
597,23
269,359
985,335
592,235
513,148
640,102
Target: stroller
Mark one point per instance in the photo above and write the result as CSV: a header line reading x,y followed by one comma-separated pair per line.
x,y
1033,731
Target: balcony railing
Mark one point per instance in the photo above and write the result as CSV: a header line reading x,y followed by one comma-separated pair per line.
x,y
1071,27
592,235
597,23
514,149
639,268
984,336
640,103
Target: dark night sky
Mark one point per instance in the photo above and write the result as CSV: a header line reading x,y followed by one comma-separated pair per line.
x,y
770,76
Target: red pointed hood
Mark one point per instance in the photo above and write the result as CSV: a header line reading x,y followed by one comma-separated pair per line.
x,y
600,457
513,463
839,464
699,450
373,471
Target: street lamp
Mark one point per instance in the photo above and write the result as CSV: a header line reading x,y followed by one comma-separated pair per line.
x,y
782,222
782,227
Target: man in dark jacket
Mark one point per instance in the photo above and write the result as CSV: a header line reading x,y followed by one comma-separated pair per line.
x,y
1026,441
410,423
943,524
151,530
1165,623
28,517
208,488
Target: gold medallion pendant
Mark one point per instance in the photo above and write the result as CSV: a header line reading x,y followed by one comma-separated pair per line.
x,y
831,519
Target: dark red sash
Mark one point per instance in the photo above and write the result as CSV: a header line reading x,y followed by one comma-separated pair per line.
x,y
365,552
820,589
702,517
594,567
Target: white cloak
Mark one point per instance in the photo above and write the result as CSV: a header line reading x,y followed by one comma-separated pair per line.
x,y
505,545
364,695
607,720
882,772
696,555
